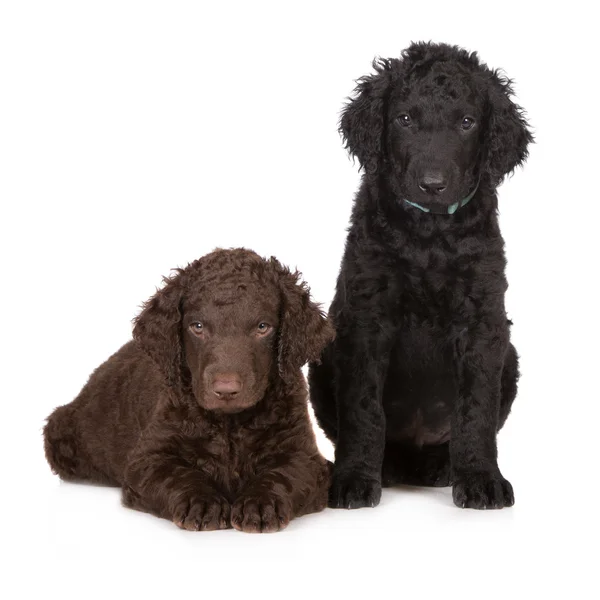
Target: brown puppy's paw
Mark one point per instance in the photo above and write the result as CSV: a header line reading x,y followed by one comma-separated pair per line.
x,y
260,514
482,490
202,513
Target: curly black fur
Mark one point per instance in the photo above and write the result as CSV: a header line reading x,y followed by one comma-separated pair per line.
x,y
422,373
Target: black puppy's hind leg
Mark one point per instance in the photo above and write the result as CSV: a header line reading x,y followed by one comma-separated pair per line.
x,y
322,399
510,378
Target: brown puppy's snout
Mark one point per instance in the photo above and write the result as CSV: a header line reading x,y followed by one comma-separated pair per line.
x,y
226,385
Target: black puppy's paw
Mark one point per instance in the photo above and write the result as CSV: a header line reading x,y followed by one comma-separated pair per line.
x,y
354,490
482,490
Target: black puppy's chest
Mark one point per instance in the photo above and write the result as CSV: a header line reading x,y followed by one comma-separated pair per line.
x,y
421,389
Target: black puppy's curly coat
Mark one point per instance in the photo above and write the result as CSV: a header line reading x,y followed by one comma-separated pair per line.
x,y
422,373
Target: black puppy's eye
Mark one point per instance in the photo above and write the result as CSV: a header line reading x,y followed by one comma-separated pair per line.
x,y
467,123
197,327
263,328
404,120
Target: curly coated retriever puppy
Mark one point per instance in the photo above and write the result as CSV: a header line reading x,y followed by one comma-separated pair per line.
x,y
203,418
422,373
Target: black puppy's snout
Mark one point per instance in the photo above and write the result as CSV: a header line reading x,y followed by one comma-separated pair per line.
x,y
433,182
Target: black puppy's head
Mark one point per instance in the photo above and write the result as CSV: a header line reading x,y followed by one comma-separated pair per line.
x,y
228,325
436,122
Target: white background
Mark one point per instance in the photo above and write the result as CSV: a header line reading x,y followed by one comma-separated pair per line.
x,y
136,137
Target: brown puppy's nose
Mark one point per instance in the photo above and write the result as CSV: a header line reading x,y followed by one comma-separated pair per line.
x,y
226,384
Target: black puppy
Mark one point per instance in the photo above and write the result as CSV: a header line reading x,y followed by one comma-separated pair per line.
x,y
422,373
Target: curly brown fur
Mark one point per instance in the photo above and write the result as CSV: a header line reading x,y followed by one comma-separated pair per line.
x,y
202,419
422,373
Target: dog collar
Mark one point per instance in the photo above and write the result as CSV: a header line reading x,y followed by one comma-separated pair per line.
x,y
450,210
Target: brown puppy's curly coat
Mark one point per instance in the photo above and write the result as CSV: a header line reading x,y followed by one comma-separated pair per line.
x,y
202,419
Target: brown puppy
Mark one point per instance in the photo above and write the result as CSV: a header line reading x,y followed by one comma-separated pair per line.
x,y
202,419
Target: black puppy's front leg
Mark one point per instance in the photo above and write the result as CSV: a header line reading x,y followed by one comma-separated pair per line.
x,y
360,369
476,478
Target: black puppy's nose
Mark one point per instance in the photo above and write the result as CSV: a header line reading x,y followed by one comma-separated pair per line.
x,y
226,384
433,182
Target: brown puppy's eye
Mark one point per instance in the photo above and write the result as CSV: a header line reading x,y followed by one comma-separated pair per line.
x,y
467,123
197,328
404,120
263,328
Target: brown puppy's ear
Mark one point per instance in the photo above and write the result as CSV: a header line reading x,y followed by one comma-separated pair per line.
x,y
508,134
157,329
304,330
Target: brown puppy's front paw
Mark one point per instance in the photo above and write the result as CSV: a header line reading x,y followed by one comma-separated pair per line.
x,y
202,513
260,514
482,490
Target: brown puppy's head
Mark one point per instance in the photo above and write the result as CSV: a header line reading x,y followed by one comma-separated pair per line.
x,y
228,325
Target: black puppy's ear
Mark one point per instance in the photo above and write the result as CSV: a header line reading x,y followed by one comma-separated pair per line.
x,y
304,329
157,329
507,131
362,122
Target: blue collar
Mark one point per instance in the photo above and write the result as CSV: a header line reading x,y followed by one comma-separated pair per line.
x,y
450,210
